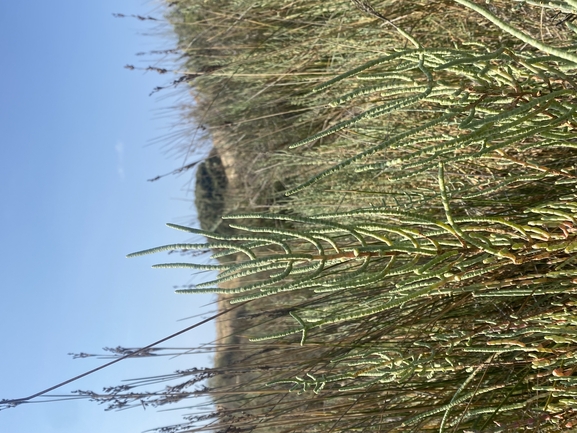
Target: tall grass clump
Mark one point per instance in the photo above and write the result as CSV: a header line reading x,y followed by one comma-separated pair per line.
x,y
445,320
420,273
254,68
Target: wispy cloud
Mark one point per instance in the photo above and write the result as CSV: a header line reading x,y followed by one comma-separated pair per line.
x,y
119,148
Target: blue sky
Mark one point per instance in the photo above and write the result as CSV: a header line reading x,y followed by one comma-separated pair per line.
x,y
75,155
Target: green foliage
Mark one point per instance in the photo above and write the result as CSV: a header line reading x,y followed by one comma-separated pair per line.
x,y
422,275
436,288
210,192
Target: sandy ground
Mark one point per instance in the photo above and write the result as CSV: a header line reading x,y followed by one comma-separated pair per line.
x,y
225,324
